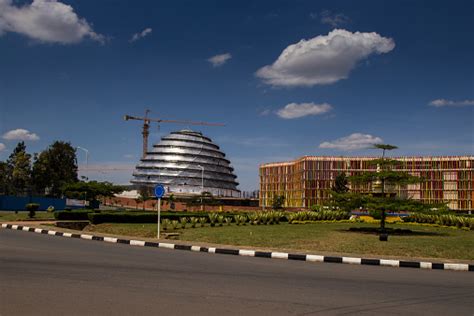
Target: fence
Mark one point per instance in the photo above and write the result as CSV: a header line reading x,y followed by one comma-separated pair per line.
x,y
17,203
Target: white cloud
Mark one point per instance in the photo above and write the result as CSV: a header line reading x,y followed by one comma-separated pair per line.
x,y
354,141
323,59
20,134
140,35
48,21
443,102
265,112
333,19
2,147
219,60
297,110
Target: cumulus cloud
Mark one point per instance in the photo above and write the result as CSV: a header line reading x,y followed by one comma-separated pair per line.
x,y
297,110
20,134
443,102
323,59
354,141
219,60
140,35
2,146
48,21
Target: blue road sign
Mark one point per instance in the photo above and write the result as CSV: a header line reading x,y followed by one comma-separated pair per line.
x,y
159,191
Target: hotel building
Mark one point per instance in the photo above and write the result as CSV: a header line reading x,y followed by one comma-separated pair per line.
x,y
306,181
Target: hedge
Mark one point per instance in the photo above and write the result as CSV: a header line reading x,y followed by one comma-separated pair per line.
x,y
73,215
122,217
137,217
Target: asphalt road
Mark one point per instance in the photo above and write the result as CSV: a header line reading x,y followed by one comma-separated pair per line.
x,y
47,275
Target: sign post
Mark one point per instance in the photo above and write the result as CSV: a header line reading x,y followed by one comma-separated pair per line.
x,y
159,192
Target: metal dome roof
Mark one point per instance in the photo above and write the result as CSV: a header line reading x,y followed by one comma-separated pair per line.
x,y
178,161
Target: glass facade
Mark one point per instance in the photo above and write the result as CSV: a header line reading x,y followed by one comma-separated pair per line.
x,y
187,162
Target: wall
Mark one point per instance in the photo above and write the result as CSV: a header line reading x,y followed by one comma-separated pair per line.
x,y
17,203
151,205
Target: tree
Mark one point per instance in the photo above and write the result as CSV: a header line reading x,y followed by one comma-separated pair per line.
x,y
54,168
19,170
171,201
385,175
278,202
340,185
145,195
3,177
205,198
91,191
348,201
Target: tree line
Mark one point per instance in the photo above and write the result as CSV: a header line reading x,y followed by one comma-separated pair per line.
x,y
43,174
50,173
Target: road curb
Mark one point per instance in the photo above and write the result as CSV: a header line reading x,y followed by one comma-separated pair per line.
x,y
255,253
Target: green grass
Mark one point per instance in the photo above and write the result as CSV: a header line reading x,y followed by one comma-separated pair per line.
x,y
425,242
10,216
136,230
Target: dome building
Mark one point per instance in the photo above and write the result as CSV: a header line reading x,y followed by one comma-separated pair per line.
x,y
186,162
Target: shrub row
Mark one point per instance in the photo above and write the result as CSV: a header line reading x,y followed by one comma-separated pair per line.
x,y
140,217
445,220
72,215
318,216
219,219
123,217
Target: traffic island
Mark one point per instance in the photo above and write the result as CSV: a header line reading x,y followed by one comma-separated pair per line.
x,y
255,253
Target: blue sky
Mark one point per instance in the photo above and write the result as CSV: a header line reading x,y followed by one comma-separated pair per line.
x,y
367,71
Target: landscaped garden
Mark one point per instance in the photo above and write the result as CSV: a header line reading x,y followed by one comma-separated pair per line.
x,y
422,242
441,236
329,232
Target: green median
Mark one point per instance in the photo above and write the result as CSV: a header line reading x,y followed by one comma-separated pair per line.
x,y
416,241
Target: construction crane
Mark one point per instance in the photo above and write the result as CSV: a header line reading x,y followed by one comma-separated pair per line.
x,y
146,126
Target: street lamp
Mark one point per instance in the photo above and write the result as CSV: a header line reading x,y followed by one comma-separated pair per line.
x,y
202,183
87,155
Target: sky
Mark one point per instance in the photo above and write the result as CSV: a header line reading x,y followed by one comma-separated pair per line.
x,y
287,78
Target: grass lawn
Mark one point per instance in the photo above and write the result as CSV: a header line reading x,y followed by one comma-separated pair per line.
x,y
10,216
425,242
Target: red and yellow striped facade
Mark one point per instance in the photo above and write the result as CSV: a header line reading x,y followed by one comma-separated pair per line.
x,y
306,181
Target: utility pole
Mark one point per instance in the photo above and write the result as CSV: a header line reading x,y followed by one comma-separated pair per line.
x,y
202,184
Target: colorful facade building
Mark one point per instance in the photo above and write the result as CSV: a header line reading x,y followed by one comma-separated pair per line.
x,y
306,181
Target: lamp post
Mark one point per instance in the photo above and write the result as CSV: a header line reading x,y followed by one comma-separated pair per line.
x,y
87,155
202,184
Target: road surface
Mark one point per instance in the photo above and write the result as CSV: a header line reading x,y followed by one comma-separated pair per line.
x,y
48,275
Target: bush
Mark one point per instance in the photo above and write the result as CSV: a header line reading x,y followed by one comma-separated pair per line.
x,y
317,216
165,223
32,208
183,221
441,219
213,218
73,215
193,221
376,214
202,221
